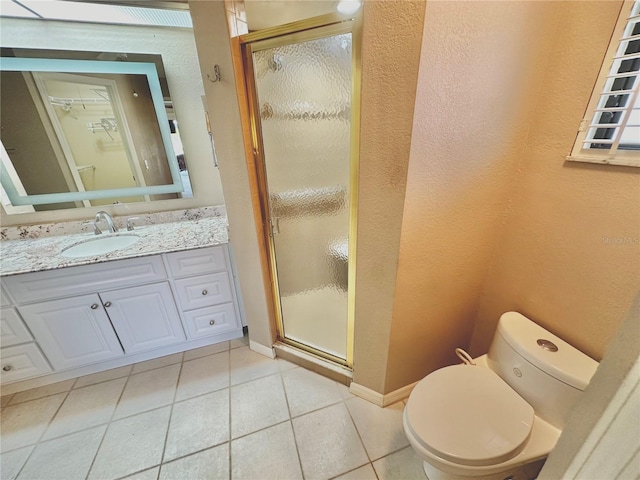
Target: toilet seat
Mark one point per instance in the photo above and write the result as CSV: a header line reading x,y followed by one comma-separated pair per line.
x,y
469,416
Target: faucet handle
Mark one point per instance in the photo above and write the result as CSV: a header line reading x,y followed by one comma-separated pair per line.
x,y
130,222
96,229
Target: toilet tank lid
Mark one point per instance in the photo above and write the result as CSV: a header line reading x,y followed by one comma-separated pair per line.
x,y
567,364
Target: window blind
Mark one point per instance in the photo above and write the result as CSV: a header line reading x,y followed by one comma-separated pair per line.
x,y
610,131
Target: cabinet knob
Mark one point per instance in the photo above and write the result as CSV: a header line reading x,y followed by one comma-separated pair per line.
x,y
212,322
7,368
204,292
94,306
107,304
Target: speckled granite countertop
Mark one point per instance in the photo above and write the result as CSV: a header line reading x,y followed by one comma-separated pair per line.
x,y
43,253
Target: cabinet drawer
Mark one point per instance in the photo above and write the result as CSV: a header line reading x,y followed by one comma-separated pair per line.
x,y
196,262
22,361
211,320
12,330
65,282
204,291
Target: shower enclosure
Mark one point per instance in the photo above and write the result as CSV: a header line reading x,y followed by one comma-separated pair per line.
x,y
301,91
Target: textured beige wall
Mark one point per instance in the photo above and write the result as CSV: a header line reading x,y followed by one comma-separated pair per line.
x,y
569,255
212,42
480,73
391,42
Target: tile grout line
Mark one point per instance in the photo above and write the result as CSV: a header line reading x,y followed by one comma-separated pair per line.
x,y
37,442
230,465
100,382
43,396
173,401
115,408
353,470
131,373
364,447
295,440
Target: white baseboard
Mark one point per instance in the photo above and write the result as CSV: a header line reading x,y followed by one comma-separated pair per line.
x,y
378,398
261,349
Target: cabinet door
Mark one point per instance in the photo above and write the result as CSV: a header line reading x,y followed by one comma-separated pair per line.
x,y
72,331
12,330
145,317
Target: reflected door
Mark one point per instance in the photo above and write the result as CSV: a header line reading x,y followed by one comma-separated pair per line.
x,y
303,101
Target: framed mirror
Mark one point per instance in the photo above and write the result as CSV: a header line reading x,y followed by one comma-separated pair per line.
x,y
84,133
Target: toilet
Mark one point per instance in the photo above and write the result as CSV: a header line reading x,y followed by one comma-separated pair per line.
x,y
498,416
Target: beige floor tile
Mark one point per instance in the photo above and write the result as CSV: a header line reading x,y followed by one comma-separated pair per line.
x,y
247,365
239,342
65,458
267,454
4,400
157,363
23,424
11,462
402,465
362,473
344,391
328,443
212,464
197,424
151,474
257,404
285,364
148,390
86,407
203,375
380,428
204,351
131,445
105,376
308,391
43,391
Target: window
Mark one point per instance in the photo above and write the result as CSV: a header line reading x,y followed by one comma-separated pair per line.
x,y
610,131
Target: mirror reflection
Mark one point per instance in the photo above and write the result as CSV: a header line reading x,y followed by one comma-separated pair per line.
x,y
82,135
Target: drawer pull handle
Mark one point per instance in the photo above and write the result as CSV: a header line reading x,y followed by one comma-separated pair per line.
x,y
7,368
94,306
107,304
212,322
204,292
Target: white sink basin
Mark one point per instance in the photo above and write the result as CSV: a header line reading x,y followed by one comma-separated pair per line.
x,y
100,246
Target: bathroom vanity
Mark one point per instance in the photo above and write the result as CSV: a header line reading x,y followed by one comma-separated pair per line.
x,y
92,314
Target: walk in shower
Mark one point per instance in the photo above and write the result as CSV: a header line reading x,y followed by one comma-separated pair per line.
x,y
301,87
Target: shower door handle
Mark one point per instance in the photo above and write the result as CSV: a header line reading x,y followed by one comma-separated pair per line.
x,y
275,225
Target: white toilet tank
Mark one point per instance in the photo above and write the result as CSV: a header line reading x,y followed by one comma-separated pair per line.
x,y
545,370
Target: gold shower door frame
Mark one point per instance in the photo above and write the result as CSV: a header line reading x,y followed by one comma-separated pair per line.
x,y
296,32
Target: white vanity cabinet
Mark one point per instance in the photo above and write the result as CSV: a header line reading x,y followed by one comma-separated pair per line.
x,y
145,317
72,331
20,357
204,289
94,317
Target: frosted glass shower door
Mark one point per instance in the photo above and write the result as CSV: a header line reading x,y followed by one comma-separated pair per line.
x,y
303,94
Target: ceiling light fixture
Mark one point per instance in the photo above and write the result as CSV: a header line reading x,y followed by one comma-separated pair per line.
x,y
348,7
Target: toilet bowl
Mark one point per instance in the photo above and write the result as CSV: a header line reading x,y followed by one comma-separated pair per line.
x,y
500,418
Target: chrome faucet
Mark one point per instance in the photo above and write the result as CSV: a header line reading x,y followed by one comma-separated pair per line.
x,y
102,215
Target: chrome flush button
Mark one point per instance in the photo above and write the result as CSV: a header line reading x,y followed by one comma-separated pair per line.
x,y
547,345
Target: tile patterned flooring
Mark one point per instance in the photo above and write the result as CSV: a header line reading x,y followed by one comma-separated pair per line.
x,y
218,412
